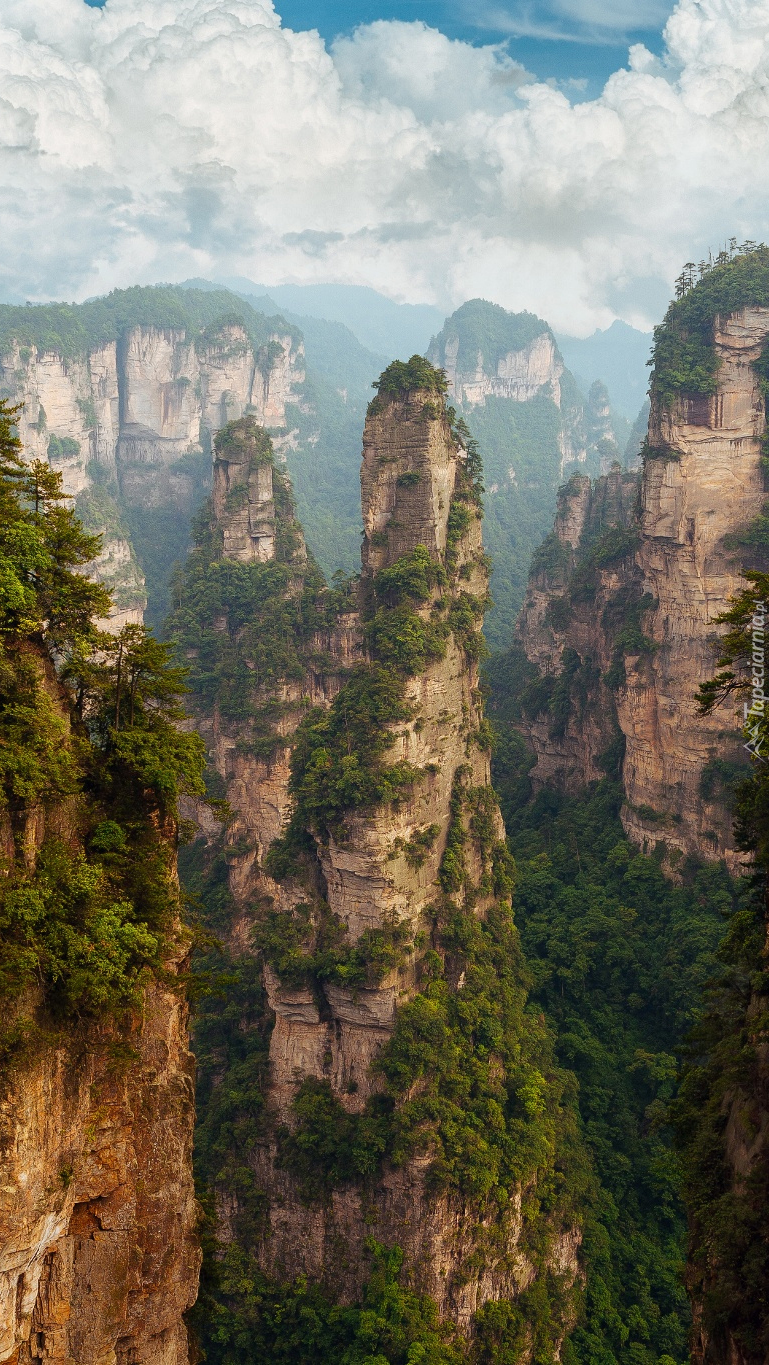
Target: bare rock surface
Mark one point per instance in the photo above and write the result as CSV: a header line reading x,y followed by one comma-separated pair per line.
x,y
98,1244
701,483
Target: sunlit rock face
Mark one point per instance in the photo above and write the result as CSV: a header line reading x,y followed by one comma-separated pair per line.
x,y
99,1249
702,482
130,424
365,877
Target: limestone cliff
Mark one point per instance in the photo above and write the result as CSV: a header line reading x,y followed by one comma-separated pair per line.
x,y
623,602
487,352
509,384
98,1246
129,421
356,842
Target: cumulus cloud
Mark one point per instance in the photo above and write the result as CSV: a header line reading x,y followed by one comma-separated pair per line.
x,y
157,139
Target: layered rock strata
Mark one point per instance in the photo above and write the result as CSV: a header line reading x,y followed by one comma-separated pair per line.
x,y
129,423
488,353
639,607
378,871
518,374
99,1256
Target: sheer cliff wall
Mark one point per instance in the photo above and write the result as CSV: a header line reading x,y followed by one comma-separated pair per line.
x,y
488,353
633,592
99,1249
99,1255
129,423
371,822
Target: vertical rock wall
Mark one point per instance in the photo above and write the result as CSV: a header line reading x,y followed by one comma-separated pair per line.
x,y
635,590
99,1256
705,483
364,876
124,422
99,1247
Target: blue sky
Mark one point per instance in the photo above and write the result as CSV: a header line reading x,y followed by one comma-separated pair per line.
x,y
586,51
570,41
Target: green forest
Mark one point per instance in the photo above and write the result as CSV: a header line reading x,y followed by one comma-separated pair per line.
x,y
611,1030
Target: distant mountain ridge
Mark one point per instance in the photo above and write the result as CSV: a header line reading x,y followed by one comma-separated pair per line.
x,y
508,379
618,357
380,324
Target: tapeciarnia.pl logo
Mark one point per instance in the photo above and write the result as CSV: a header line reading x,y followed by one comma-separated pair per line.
x,y
755,712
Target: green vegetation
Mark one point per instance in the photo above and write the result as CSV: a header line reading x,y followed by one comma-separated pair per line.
x,y
72,330
299,1322
339,755
522,465
684,360
522,445
479,326
720,1114
405,376
467,1079
329,425
620,958
62,448
241,627
338,760
88,732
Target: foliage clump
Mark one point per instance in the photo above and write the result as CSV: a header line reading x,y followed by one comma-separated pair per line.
x,y
406,376
250,1318
684,358
88,735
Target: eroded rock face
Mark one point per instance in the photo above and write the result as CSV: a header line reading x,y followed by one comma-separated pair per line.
x,y
710,487
365,876
127,420
519,375
670,577
527,369
560,614
98,1247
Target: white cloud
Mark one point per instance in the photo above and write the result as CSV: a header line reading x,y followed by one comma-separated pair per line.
x,y
156,139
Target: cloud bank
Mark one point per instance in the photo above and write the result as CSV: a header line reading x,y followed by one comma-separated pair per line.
x,y
158,139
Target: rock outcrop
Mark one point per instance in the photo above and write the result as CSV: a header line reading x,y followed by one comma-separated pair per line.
x,y
99,1251
99,1256
132,419
624,599
373,875
487,352
518,374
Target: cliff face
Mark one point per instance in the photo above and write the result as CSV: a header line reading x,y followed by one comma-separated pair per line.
x,y
364,883
98,1247
709,486
571,716
518,374
635,596
129,423
508,381
488,353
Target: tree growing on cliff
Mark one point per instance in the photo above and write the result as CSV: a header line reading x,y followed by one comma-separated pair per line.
x,y
87,906
722,1110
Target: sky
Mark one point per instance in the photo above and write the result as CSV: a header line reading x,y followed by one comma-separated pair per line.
x,y
576,42
547,154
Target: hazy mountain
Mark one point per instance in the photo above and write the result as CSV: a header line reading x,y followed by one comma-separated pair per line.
x,y
508,380
396,330
616,356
